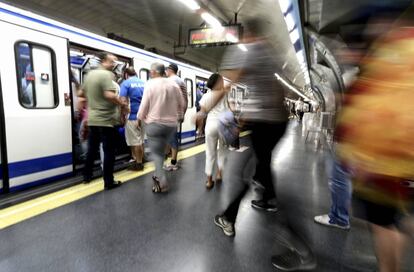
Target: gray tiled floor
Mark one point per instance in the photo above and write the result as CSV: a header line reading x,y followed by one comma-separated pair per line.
x,y
130,229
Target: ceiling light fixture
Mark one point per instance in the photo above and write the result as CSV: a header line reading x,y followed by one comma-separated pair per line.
x,y
191,4
213,22
290,21
284,5
294,35
290,87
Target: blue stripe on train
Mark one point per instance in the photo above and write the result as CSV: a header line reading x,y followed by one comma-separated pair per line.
x,y
21,168
188,134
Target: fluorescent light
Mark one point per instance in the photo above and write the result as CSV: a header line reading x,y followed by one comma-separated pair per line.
x,y
213,22
300,56
284,5
191,4
290,87
294,35
242,47
231,38
290,21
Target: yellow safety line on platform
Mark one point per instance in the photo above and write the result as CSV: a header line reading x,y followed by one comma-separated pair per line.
x,y
23,211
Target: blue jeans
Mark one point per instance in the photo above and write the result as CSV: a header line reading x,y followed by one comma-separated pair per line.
x,y
341,191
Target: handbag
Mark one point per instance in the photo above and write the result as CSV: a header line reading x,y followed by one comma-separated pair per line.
x,y
228,128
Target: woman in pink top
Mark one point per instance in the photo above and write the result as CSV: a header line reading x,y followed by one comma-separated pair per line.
x,y
161,107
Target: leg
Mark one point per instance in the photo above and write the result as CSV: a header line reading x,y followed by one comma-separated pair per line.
x,y
211,148
232,210
340,187
158,136
108,139
221,159
139,153
389,257
93,146
264,139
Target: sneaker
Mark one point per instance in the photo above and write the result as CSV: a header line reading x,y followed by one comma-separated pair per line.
x,y
226,226
293,261
171,167
264,205
326,221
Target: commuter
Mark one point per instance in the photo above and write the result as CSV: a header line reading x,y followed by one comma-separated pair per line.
x,y
266,117
216,84
132,90
299,109
374,135
171,71
102,102
161,108
200,122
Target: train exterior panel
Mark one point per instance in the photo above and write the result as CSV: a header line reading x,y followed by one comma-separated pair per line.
x,y
36,135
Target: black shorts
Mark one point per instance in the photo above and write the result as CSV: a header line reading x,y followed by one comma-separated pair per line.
x,y
382,215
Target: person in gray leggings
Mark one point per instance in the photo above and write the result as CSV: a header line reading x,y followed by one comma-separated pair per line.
x,y
161,107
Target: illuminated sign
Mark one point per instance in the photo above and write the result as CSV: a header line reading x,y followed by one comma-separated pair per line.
x,y
213,37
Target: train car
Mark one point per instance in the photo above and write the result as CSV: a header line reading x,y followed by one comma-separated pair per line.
x,y
40,60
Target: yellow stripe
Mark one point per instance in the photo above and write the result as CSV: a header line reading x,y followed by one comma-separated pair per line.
x,y
23,211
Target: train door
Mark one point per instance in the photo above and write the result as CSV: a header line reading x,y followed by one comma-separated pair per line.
x,y
37,108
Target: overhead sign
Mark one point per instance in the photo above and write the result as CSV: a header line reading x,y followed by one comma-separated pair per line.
x,y
213,37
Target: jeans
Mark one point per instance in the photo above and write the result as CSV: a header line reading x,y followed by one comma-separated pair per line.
x,y
341,191
106,135
158,137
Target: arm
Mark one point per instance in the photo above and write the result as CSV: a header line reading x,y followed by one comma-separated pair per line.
x,y
112,97
181,103
234,76
144,107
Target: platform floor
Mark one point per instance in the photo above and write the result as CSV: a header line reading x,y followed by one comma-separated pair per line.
x,y
131,229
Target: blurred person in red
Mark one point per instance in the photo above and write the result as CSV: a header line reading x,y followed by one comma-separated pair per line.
x,y
374,136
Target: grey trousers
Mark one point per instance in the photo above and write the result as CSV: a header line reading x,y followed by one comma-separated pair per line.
x,y
158,137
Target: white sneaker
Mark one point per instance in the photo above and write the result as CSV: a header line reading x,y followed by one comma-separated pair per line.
x,y
171,167
325,220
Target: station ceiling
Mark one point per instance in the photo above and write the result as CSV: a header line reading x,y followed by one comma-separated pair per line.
x,y
155,24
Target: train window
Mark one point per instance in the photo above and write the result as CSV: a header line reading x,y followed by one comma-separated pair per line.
x,y
36,77
190,92
144,74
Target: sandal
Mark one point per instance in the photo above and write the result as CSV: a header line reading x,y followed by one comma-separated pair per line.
x,y
156,184
209,185
157,188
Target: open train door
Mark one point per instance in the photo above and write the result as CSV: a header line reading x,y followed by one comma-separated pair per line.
x,y
37,110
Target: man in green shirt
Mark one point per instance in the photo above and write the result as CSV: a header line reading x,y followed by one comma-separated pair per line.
x,y
103,101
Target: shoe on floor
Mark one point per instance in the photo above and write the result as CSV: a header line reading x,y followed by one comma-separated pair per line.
x,y
171,167
226,226
264,205
326,221
114,185
136,167
293,261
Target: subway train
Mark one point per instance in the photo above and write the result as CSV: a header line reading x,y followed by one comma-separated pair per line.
x,y
40,60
